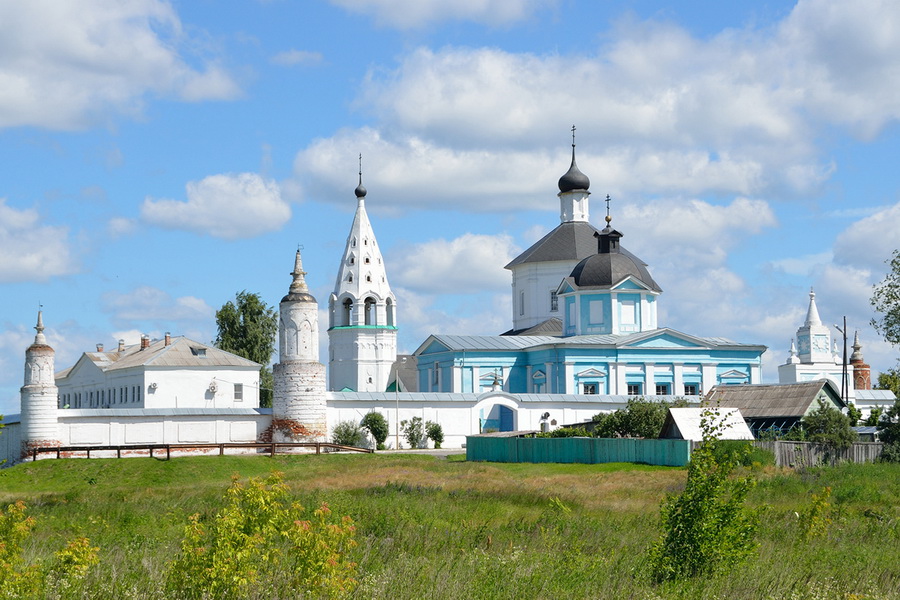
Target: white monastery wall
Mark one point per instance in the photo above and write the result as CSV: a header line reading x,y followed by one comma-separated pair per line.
x,y
10,441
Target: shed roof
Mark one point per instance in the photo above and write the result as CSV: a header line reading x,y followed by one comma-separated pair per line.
x,y
685,424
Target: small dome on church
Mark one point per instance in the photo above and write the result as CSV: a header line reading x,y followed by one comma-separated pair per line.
x,y
574,179
360,190
607,269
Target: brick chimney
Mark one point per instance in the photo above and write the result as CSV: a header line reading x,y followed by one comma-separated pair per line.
x,y
121,346
145,341
99,347
168,338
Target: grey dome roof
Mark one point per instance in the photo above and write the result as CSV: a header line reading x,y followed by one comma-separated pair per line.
x,y
298,297
360,190
574,179
605,270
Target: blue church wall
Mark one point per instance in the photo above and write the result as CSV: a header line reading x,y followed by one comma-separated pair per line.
x,y
596,314
629,312
569,317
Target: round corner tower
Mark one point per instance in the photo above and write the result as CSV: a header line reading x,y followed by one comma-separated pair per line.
x,y
39,396
298,405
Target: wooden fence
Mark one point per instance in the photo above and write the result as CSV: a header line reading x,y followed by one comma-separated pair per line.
x,y
269,448
808,454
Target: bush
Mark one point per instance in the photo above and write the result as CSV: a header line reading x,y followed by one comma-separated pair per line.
x,y
565,432
377,426
413,432
705,528
641,418
827,425
258,537
742,453
890,433
435,433
348,433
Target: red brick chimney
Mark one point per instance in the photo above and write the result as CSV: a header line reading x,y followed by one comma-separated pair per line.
x,y
99,347
121,347
145,341
168,338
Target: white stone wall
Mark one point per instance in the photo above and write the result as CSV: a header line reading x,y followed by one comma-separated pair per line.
x,y
300,396
94,427
10,443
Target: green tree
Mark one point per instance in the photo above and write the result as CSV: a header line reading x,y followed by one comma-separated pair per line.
x,y
247,327
854,414
435,433
641,418
706,528
886,300
377,426
827,425
348,433
413,431
889,380
889,433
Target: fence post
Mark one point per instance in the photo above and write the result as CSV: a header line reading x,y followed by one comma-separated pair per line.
x,y
118,452
318,446
57,452
221,449
168,451
272,453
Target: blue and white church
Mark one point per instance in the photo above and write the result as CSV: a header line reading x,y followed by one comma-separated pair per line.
x,y
585,321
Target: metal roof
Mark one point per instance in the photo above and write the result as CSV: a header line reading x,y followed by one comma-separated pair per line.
x,y
160,412
886,395
771,400
572,240
685,423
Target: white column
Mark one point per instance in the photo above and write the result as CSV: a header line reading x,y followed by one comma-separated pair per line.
x,y
649,380
551,379
569,379
755,378
529,387
621,379
708,378
678,372
457,379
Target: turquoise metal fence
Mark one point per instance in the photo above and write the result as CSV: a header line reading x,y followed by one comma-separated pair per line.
x,y
673,453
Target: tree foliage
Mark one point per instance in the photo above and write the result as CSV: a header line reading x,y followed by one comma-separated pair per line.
x,y
886,300
827,425
413,431
642,418
706,528
889,380
377,427
889,433
435,433
247,327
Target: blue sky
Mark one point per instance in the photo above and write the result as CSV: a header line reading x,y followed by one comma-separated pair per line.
x,y
158,157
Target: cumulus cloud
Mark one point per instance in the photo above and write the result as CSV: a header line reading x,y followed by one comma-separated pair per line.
x,y
69,65
29,250
229,206
292,57
869,242
147,303
408,14
468,264
659,110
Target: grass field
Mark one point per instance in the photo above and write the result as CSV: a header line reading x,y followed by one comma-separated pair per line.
x,y
447,528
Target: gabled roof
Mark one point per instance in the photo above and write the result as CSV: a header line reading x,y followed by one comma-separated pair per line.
x,y
552,326
774,400
572,240
180,352
685,424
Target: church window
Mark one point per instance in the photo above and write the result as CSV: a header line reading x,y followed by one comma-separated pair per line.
x,y
365,241
436,374
238,392
370,311
554,302
662,389
690,389
347,312
367,260
352,260
521,303
390,312
589,388
369,278
350,278
353,243
634,389
596,311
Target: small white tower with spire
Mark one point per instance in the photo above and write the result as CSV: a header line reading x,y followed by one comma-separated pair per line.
x,y
298,403
362,328
39,396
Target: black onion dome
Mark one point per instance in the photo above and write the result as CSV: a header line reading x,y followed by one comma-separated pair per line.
x,y
608,269
360,190
574,179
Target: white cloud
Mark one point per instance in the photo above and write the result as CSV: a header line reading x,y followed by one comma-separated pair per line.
x,y
870,241
230,206
293,57
147,303
120,226
803,266
407,14
69,65
30,251
466,265
425,314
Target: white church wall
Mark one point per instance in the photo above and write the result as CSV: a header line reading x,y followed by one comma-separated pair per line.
x,y
218,387
531,285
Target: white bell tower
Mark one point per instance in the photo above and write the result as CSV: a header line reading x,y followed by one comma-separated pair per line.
x,y
362,328
39,396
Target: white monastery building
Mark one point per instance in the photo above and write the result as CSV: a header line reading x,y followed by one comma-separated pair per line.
x,y
585,338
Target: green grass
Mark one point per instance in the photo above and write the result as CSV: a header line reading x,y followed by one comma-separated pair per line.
x,y
435,528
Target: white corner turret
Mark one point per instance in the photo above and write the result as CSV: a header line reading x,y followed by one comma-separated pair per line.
x,y
39,396
298,403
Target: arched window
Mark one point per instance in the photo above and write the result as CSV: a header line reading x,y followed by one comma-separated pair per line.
x,y
347,312
352,260
390,312
370,311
